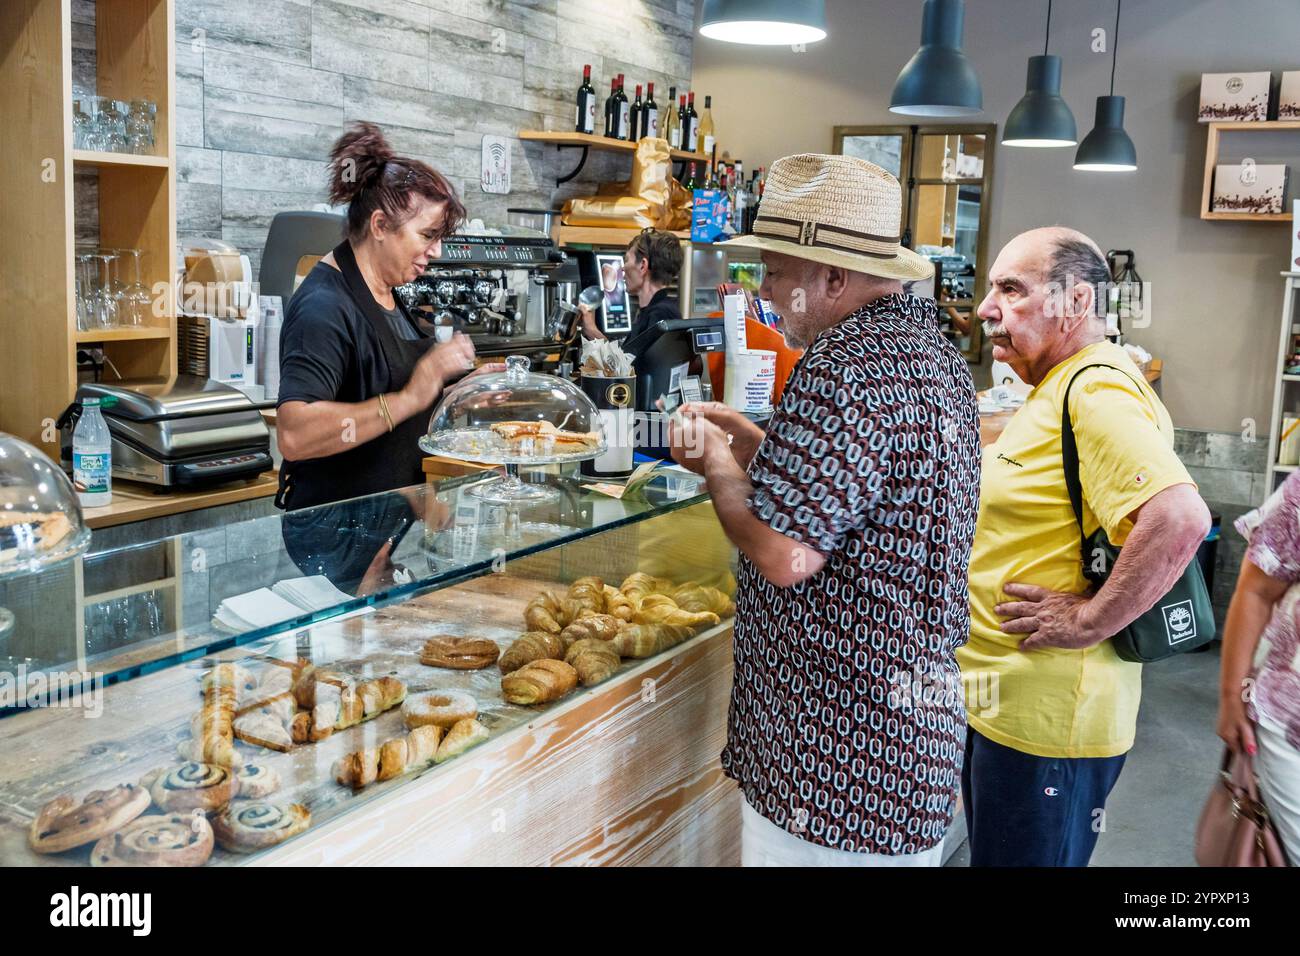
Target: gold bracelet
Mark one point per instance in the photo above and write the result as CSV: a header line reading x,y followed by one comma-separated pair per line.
x,y
384,412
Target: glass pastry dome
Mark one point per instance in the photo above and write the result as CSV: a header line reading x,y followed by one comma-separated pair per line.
x,y
512,418
40,517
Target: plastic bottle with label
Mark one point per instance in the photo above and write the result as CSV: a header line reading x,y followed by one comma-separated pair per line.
x,y
92,457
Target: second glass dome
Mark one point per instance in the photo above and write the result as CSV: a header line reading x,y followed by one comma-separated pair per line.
x,y
515,417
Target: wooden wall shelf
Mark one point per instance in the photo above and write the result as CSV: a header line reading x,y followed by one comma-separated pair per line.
x,y
601,236
1213,132
134,59
589,141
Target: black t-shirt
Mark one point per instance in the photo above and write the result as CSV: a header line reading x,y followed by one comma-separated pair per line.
x,y
329,350
660,308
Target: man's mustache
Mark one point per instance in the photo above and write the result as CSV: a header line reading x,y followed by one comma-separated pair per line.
x,y
992,329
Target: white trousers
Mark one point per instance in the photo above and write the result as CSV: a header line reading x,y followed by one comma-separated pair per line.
x,y
1277,765
763,843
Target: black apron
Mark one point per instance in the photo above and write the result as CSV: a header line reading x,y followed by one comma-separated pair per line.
x,y
394,459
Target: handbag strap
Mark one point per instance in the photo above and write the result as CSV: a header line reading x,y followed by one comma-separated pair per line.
x,y
1070,454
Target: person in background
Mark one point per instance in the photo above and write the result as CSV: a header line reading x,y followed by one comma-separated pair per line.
x,y
853,516
1259,683
651,263
1052,708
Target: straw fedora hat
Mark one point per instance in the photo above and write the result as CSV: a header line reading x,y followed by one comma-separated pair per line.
x,y
838,210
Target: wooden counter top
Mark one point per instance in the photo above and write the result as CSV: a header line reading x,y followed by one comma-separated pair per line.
x,y
133,501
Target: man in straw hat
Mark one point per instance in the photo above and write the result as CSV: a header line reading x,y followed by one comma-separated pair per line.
x,y
854,515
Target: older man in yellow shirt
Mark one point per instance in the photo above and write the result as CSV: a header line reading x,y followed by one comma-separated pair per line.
x,y
1052,708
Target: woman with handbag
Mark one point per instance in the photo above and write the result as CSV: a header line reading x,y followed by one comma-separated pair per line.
x,y
1259,684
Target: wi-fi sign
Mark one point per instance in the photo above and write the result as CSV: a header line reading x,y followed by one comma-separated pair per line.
x,y
496,165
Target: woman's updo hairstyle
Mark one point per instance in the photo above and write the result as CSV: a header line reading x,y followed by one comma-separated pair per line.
x,y
366,174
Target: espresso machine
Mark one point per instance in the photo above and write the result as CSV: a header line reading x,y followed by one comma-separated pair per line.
x,y
504,291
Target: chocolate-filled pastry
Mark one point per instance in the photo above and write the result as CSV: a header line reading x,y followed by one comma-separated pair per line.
x,y
539,682
248,826
257,780
178,839
192,786
64,823
459,653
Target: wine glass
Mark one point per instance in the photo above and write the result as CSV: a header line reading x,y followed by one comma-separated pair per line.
x,y
136,296
81,122
105,305
140,126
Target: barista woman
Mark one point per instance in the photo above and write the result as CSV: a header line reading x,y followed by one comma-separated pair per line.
x,y
651,263
358,375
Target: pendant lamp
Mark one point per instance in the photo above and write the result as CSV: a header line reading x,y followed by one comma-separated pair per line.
x,y
764,22
1042,118
938,80
1108,149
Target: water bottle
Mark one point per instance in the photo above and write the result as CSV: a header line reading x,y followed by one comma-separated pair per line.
x,y
92,457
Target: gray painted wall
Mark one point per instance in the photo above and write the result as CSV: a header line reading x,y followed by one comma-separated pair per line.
x,y
265,86
1217,293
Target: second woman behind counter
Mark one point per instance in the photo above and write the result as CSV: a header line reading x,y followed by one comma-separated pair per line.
x,y
359,374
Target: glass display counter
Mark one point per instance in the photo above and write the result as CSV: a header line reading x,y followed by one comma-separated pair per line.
x,y
273,689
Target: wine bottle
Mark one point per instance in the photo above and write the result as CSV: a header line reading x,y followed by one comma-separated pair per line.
x,y
609,107
586,114
691,128
634,117
691,183
650,113
683,123
672,129
621,108
706,139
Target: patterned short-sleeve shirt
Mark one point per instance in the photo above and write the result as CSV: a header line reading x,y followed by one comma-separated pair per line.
x,y
846,724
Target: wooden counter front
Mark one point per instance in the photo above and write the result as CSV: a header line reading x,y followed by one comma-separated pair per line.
x,y
133,501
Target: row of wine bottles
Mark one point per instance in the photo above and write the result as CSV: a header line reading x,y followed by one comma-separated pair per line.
x,y
625,119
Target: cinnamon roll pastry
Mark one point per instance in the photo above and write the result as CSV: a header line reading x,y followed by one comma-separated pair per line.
x,y
177,839
248,826
257,780
192,786
64,823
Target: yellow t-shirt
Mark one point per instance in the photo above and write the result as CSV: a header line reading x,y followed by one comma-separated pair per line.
x,y
1058,702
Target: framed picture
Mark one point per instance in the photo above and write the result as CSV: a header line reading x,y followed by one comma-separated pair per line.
x,y
1248,187
1234,97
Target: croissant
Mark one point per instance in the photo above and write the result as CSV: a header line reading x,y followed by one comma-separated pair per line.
x,y
588,594
697,597
390,759
539,682
213,726
646,640
532,646
637,586
661,609
618,604
465,733
593,659
543,613
601,627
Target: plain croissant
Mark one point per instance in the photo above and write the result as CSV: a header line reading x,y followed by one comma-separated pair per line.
x,y
646,640
600,627
697,597
638,585
618,604
588,594
661,609
539,682
529,647
464,733
593,659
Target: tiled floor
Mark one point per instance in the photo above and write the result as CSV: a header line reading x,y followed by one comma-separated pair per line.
x,y
1152,812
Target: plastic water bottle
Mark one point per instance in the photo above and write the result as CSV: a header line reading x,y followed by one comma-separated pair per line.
x,y
92,457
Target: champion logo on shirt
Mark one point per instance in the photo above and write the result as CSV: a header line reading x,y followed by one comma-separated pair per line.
x,y
1051,791
1140,478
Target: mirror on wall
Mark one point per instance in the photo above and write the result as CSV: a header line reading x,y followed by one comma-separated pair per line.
x,y
946,172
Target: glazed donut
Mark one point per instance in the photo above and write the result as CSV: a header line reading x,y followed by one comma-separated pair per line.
x,y
175,840
459,653
257,780
441,707
192,786
64,823
248,826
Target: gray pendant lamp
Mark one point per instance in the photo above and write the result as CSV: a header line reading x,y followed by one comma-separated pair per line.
x,y
1108,149
1042,118
764,22
938,80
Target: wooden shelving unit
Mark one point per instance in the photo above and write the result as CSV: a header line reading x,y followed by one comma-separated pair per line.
x,y
137,200
588,141
1212,159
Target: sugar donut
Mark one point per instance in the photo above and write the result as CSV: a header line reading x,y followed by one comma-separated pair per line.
x,y
440,707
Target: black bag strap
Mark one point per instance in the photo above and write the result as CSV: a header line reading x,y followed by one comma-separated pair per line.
x,y
1070,454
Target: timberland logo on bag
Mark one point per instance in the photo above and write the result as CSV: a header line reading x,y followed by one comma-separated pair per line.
x,y
1180,622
